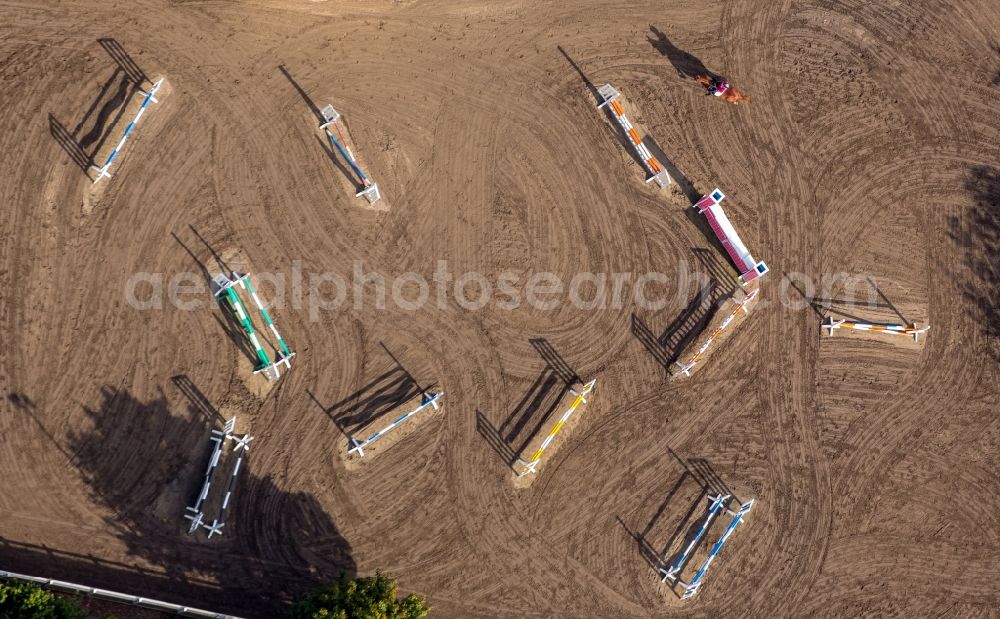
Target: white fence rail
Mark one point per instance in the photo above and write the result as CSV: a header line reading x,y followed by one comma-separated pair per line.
x,y
114,596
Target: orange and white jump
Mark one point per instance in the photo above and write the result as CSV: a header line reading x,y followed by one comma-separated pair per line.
x,y
609,96
888,329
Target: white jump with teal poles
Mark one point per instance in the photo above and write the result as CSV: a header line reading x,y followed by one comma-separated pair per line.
x,y
226,288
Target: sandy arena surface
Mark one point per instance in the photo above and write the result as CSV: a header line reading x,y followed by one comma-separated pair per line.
x,y
871,148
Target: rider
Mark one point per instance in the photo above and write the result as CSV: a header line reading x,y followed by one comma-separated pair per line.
x,y
718,86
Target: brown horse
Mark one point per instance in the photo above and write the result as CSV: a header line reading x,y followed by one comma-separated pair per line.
x,y
731,95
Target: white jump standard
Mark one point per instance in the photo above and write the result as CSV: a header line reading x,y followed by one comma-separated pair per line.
x,y
332,117
887,329
103,170
427,399
225,288
710,206
655,168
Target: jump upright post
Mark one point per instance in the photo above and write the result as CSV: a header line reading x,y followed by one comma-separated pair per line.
x,y
102,171
532,462
427,399
609,97
225,288
331,117
885,328
710,206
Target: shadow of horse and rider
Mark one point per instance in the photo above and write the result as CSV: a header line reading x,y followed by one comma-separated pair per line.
x,y
689,66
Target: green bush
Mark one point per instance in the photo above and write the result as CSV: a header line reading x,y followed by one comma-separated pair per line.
x,y
25,600
373,597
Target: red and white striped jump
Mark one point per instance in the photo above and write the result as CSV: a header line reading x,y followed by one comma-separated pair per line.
x,y
710,207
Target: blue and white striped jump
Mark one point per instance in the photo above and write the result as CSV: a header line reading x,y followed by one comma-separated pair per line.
x,y
359,446
692,587
369,187
103,170
717,503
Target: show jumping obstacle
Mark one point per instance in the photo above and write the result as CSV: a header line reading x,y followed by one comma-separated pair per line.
x,y
332,117
685,368
715,506
609,97
196,512
225,287
581,398
691,588
710,207
427,399
103,170
887,329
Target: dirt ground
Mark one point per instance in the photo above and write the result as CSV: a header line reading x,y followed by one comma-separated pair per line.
x,y
871,148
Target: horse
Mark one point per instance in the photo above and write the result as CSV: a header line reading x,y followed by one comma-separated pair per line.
x,y
731,95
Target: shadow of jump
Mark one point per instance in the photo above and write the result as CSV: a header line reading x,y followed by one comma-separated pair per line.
x,y
535,407
496,442
667,348
620,137
687,65
70,146
124,60
687,528
104,113
374,400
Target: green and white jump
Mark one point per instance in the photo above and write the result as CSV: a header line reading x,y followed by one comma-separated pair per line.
x,y
225,288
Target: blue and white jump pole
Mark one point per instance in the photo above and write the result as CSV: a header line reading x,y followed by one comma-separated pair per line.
x,y
103,170
426,400
331,117
691,588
